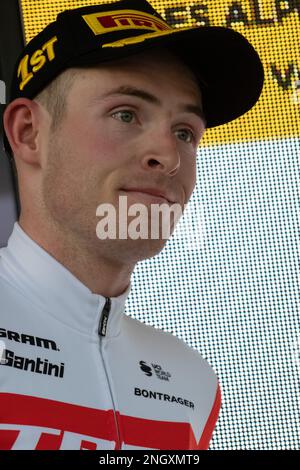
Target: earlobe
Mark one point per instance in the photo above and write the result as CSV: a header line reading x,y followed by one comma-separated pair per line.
x,y
21,127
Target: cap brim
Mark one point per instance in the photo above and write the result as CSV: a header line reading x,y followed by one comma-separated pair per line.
x,y
222,57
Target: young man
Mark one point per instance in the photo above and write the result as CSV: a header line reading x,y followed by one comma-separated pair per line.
x,y
107,102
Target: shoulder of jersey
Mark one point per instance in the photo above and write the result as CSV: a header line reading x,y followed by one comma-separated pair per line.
x,y
167,345
8,290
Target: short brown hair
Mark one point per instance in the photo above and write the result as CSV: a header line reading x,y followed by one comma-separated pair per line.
x,y
54,96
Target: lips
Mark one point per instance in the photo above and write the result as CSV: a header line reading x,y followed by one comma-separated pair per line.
x,y
157,194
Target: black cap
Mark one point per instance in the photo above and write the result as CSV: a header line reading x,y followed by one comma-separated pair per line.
x,y
227,66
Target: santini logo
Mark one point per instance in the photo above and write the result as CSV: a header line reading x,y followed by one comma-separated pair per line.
x,y
160,373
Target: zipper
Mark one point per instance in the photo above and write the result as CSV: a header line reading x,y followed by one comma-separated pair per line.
x,y
104,317
102,333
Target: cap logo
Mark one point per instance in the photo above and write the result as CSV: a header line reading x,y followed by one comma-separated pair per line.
x,y
109,21
29,65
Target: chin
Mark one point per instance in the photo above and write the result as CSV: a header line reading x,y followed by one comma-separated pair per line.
x,y
139,250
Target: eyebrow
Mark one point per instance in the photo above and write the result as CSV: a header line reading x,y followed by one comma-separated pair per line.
x,y
145,95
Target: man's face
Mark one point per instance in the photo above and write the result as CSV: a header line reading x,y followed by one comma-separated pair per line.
x,y
109,144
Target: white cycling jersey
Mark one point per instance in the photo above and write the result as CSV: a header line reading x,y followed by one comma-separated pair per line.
x,y
77,373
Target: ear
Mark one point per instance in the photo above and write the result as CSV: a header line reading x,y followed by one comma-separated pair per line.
x,y
21,121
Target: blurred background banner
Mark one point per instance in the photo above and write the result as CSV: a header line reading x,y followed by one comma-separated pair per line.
x,y
227,282
272,26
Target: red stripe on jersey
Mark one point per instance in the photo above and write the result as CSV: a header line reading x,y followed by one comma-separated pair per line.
x,y
211,422
157,434
7,439
32,411
49,442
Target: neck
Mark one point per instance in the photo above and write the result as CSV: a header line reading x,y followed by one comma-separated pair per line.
x,y
102,275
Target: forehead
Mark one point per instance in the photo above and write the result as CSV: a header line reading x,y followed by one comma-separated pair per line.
x,y
159,66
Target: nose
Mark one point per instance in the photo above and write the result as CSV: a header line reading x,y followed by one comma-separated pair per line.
x,y
162,154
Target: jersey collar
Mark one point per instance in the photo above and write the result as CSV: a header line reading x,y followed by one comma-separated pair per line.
x,y
54,289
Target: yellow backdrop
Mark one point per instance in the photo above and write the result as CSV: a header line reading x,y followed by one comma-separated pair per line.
x,y
272,26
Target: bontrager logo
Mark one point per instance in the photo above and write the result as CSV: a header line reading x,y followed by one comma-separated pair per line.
x,y
163,397
123,19
159,372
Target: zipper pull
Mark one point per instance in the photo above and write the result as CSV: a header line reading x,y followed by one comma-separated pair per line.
x,y
104,317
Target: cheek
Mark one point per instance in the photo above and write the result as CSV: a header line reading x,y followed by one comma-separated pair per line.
x,y
66,183
95,140
82,151
78,176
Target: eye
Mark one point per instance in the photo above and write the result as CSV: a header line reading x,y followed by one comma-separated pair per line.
x,y
125,112
190,133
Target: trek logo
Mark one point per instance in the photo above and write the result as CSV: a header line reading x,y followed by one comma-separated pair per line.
x,y
101,23
29,423
160,373
46,438
30,65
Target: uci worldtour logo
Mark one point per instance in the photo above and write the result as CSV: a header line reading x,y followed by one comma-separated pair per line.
x,y
145,368
160,373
